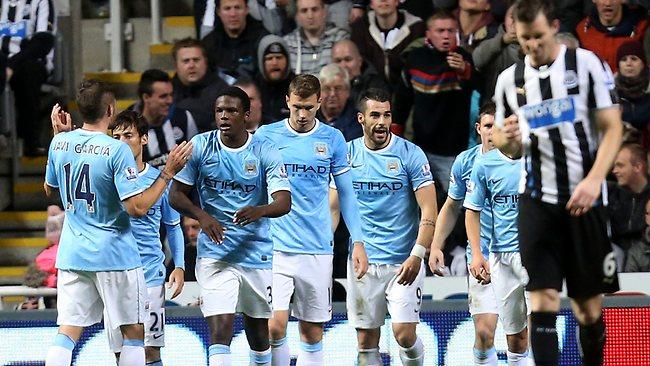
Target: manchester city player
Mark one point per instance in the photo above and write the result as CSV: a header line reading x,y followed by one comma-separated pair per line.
x,y
303,243
494,183
482,301
131,129
98,259
397,203
236,174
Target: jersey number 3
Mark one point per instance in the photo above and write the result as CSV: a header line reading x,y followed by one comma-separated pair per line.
x,y
82,190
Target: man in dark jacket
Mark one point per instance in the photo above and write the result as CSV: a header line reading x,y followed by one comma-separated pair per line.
x,y
437,83
337,107
273,77
195,89
231,46
363,75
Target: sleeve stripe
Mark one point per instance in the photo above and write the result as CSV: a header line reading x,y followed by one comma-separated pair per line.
x,y
173,223
183,181
131,194
423,184
280,189
472,207
344,170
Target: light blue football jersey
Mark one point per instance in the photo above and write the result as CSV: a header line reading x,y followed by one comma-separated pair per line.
x,y
385,182
495,183
146,230
309,159
461,171
228,180
94,173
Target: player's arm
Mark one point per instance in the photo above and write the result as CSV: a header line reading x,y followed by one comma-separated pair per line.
x,y
478,267
281,205
505,132
335,209
139,204
444,226
177,248
350,212
179,199
426,198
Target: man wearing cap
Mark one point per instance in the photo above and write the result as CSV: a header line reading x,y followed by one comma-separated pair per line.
x,y
273,77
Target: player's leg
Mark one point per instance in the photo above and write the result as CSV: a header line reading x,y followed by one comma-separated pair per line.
x,y
154,325
78,305
312,305
283,288
593,273
219,284
366,306
542,229
508,277
404,304
483,309
255,302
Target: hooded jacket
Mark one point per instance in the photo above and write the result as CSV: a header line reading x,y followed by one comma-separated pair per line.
x,y
594,36
274,105
199,98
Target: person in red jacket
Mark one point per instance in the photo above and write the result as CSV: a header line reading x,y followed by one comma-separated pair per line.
x,y
609,25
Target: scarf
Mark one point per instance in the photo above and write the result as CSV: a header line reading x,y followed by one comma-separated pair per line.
x,y
634,87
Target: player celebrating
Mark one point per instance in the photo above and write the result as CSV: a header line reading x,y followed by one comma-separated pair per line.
x,y
132,129
482,300
98,259
387,169
303,244
494,183
235,172
545,101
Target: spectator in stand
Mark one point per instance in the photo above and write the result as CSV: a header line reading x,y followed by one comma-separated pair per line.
x,y
273,77
191,230
633,87
272,14
254,119
338,13
475,23
195,89
310,44
437,84
567,39
362,74
610,24
423,9
232,45
168,125
337,109
27,29
497,54
628,196
638,256
383,34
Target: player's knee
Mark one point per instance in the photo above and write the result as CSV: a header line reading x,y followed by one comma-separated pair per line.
x,y
311,332
132,331
518,342
152,353
546,300
587,315
367,338
277,330
484,336
405,335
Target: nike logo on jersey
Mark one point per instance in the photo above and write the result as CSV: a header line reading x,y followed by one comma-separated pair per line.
x,y
356,166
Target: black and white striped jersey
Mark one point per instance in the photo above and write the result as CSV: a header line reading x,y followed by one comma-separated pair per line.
x,y
21,19
553,105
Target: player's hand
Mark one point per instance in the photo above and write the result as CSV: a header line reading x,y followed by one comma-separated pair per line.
x,y
61,120
437,261
177,277
584,196
178,157
212,228
480,269
409,270
359,260
355,13
247,215
455,61
511,128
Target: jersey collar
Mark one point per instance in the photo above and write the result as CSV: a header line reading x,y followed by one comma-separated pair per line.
x,y
241,148
144,171
393,137
303,134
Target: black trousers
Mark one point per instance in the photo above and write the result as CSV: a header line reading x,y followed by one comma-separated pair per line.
x,y
26,84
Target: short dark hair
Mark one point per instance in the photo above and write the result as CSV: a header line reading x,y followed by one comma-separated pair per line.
x,y
376,94
187,43
235,92
637,153
304,86
526,11
245,81
440,14
148,78
93,98
487,108
128,118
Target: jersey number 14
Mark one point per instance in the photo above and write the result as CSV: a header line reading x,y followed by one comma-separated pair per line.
x,y
82,190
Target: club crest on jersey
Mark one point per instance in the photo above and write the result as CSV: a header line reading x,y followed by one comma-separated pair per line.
x,y
131,173
250,168
392,166
570,79
426,169
320,149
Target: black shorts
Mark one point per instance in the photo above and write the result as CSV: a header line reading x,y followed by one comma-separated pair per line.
x,y
555,246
